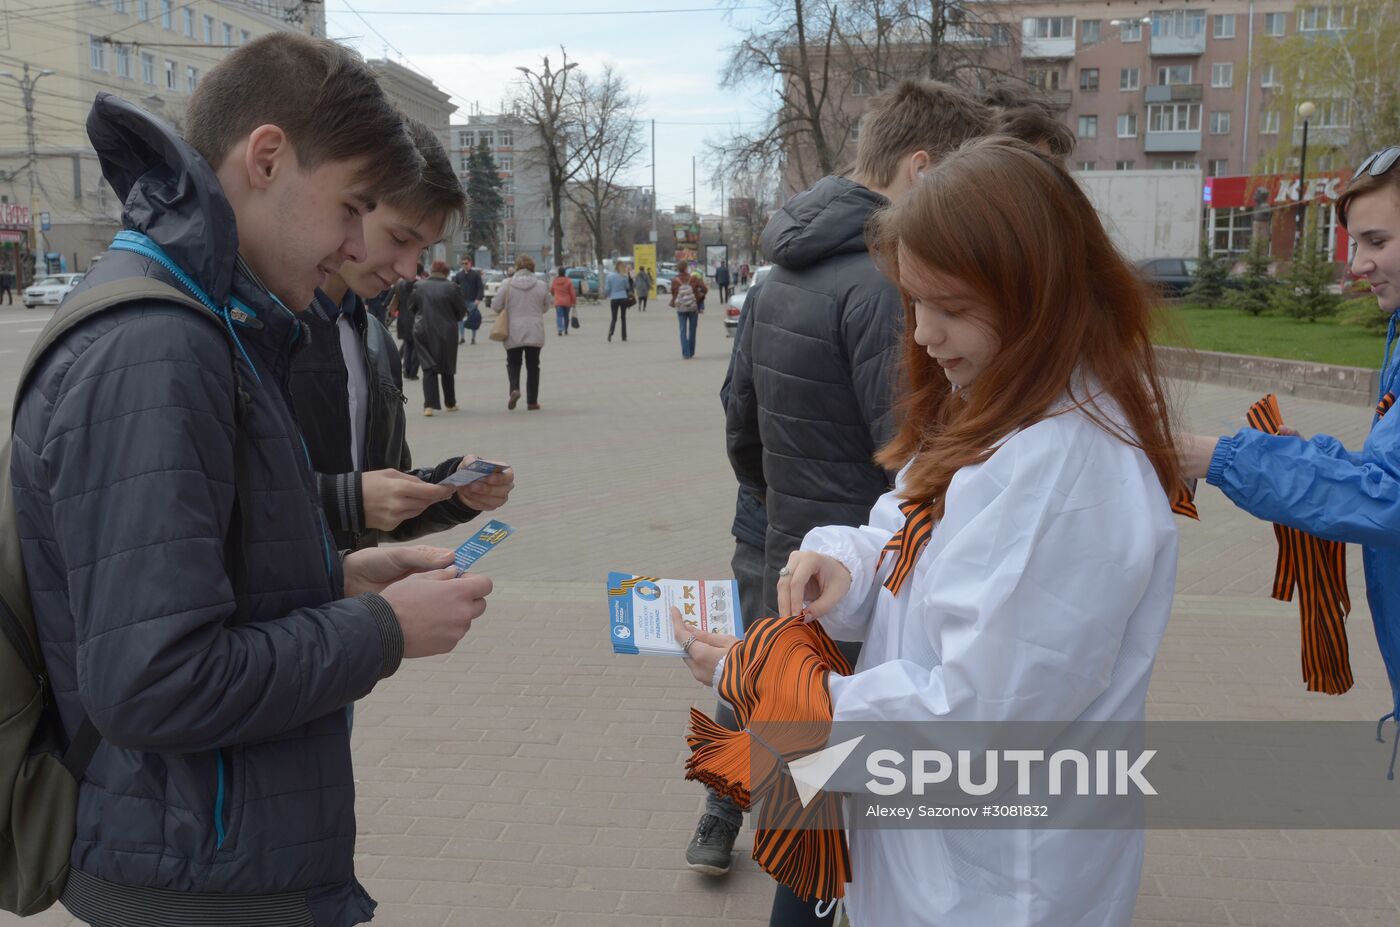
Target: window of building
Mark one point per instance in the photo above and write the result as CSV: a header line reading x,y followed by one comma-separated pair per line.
x,y
1091,31
170,75
486,137
1179,165
1224,26
861,85
464,161
148,69
1268,76
1088,78
97,53
1124,165
188,15
1084,166
505,163
1217,167
191,78
123,60
1184,24
1130,79
1275,23
464,138
208,30
1321,18
1333,114
1001,34
1222,74
1130,30
508,186
1088,126
1050,27
1174,117
1044,78
507,210
244,36
118,6
1127,125
1174,74
228,34
505,138
1230,229
167,13
143,10
1220,122
1268,123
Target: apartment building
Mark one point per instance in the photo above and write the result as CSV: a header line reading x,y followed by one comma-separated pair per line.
x,y
151,52
517,148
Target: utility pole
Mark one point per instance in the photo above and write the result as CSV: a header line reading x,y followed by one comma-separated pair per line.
x,y
655,240
26,89
693,208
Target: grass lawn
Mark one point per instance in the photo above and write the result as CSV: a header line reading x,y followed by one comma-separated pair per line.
x,y
1326,341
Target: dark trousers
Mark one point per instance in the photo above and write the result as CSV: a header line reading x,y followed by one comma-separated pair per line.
x,y
7,294
409,356
430,389
641,300
619,307
531,357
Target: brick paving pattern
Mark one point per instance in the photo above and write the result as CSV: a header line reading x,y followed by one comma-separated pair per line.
x,y
533,778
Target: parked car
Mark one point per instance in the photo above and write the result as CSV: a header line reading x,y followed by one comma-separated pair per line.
x,y
1171,276
50,290
491,280
735,307
663,282
585,281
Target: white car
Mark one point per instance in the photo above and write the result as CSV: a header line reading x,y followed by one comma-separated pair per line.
x,y
736,302
50,290
492,280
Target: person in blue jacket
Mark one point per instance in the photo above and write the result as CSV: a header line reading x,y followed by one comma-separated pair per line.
x,y
1317,485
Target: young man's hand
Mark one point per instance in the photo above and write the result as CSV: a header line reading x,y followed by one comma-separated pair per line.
x,y
488,493
1194,453
391,498
435,610
373,569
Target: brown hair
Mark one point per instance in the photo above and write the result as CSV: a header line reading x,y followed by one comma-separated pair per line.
x,y
436,193
321,94
915,115
440,269
525,262
1024,113
1007,222
1367,184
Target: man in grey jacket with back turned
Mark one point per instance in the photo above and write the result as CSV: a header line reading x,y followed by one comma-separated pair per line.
x,y
808,395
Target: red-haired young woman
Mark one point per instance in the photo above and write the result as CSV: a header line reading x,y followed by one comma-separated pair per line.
x,y
1033,457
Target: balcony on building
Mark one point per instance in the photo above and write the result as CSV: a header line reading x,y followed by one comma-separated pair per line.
x,y
1059,99
1171,142
1173,93
1179,32
1048,37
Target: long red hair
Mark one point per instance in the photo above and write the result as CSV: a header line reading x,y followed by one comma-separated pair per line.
x,y
1012,227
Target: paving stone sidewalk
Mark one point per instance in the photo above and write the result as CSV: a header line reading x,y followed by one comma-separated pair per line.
x,y
533,778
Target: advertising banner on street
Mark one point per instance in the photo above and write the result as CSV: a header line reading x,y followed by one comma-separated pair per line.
x,y
645,256
714,256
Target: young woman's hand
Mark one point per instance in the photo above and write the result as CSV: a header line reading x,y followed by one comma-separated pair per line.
x,y
704,652
812,584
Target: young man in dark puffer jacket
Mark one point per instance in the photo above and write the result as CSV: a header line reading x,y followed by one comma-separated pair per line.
x,y
190,605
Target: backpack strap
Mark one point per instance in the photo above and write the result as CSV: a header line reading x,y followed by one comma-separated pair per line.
x,y
16,611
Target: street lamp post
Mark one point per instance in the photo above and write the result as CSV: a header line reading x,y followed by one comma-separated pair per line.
x,y
1305,110
26,89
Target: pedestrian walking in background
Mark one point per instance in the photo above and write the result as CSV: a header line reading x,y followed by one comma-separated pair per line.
x,y
616,286
744,274
401,311
524,299
565,298
7,286
687,298
722,281
469,281
644,284
439,306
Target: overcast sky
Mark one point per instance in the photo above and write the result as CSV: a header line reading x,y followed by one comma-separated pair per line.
x,y
673,59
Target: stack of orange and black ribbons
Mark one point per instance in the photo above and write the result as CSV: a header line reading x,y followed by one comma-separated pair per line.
x,y
775,679
1317,569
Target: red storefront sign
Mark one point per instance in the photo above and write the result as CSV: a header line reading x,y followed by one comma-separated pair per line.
x,y
14,216
1282,190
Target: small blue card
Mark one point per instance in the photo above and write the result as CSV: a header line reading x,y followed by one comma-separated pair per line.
x,y
481,543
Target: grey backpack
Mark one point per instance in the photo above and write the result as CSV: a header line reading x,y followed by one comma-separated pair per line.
x,y
38,775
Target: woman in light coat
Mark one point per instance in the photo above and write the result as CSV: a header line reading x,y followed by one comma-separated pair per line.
x,y
526,300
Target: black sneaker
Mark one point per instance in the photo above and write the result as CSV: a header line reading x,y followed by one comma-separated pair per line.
x,y
711,848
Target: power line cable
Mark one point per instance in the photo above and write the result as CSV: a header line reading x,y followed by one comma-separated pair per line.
x,y
557,13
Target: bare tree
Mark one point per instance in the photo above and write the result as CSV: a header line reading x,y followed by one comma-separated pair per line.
x,y
547,102
609,140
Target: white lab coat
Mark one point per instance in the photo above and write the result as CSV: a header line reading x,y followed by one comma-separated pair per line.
x,y
1042,596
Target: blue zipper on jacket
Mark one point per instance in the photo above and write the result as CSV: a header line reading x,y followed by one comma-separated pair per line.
x,y
219,833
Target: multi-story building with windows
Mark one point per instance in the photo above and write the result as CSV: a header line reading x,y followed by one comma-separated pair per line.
x,y
516,147
151,52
